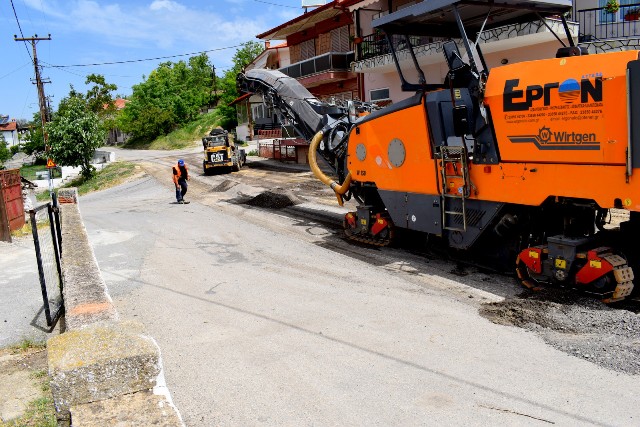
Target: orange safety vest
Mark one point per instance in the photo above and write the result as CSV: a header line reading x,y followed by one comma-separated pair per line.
x,y
177,173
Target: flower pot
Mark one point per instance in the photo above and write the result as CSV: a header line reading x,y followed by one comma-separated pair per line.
x,y
632,16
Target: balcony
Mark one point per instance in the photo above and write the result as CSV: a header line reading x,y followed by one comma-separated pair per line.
x,y
376,44
373,53
321,68
600,28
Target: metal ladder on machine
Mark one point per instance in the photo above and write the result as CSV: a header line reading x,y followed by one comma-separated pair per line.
x,y
457,157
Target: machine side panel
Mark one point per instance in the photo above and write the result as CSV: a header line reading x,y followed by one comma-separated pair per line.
x,y
394,152
634,113
562,110
420,212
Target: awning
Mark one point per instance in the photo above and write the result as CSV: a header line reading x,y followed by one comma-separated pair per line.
x,y
240,99
362,4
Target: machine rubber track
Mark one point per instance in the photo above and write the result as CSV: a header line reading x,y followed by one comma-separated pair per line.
x,y
368,240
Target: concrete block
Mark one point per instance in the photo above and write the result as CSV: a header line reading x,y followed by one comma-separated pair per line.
x,y
68,195
139,409
99,362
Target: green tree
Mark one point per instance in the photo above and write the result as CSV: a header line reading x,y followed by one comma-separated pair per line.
x,y
75,134
99,98
241,59
172,95
5,153
34,143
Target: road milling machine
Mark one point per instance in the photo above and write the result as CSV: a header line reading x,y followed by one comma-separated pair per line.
x,y
519,163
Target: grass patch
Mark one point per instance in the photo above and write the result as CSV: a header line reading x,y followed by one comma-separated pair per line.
x,y
25,230
41,411
43,196
26,345
110,176
184,137
113,174
30,172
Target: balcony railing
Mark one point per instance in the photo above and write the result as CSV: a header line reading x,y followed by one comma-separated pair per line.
x,y
376,44
598,24
332,61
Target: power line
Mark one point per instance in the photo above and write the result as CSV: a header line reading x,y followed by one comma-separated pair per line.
x,y
26,10
143,60
20,28
17,69
276,4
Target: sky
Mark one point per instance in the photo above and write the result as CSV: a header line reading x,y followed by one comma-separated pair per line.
x,y
103,31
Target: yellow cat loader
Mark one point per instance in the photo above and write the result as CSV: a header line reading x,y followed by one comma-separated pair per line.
x,y
517,165
221,153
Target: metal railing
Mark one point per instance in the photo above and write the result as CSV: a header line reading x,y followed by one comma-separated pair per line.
x,y
332,61
47,239
376,44
598,24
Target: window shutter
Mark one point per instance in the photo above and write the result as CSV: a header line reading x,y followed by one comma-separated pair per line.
x,y
307,49
340,39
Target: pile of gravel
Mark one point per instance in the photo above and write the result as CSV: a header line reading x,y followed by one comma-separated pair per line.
x,y
271,200
582,327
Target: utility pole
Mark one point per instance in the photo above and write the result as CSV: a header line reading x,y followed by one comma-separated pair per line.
x,y
42,99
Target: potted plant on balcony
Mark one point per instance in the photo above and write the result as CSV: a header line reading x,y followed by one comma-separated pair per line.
x,y
612,6
632,14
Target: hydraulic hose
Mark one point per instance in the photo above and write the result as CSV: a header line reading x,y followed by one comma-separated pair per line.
x,y
313,163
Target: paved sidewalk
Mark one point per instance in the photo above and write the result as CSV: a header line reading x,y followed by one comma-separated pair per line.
x,y
21,310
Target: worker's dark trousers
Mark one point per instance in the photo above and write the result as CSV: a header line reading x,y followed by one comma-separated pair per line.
x,y
180,192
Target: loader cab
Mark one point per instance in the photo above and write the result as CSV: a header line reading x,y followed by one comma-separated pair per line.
x,y
216,138
457,114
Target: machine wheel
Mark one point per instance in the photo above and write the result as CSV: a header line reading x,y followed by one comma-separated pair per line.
x,y
236,165
207,171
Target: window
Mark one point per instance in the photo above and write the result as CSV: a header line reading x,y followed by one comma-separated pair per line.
x,y
260,111
379,94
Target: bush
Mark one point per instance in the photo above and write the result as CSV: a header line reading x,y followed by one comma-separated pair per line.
x,y
15,149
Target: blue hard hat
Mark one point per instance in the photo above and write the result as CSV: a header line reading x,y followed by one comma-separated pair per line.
x,y
181,162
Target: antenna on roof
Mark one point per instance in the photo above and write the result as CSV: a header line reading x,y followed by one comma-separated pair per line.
x,y
306,4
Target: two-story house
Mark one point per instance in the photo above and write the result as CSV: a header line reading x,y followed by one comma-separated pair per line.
x,y
318,52
9,130
320,44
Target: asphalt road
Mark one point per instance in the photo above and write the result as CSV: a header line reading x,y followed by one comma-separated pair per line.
x,y
268,318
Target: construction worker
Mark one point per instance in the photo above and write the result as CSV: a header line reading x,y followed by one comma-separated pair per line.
x,y
180,178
